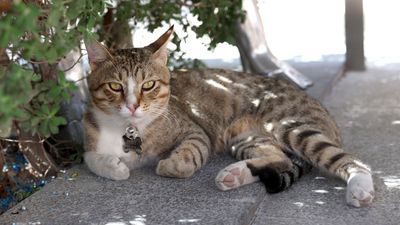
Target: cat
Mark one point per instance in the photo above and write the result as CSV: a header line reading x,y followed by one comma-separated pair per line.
x,y
274,130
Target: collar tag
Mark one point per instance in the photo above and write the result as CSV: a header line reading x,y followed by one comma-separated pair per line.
x,y
132,141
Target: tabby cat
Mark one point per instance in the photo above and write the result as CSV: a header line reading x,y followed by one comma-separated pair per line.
x,y
274,130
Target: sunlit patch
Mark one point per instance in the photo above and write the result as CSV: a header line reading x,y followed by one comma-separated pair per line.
x,y
194,110
239,85
392,181
261,86
188,220
299,204
216,10
175,97
396,122
269,126
287,122
377,172
250,138
216,84
269,95
339,188
320,191
296,131
224,79
233,148
319,202
256,102
116,223
138,220
360,164
320,178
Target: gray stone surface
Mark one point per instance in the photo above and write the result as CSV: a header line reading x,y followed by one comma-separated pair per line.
x,y
365,109
144,197
323,74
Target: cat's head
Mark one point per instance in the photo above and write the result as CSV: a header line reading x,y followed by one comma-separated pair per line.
x,y
132,84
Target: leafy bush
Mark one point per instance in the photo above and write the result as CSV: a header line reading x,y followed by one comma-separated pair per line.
x,y
37,34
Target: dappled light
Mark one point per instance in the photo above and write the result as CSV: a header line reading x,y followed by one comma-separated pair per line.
x,y
396,122
339,188
320,191
256,102
194,110
269,95
391,181
269,127
226,121
138,220
299,204
217,85
188,220
224,79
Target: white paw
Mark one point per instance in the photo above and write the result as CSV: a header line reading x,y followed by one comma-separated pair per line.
x,y
115,169
360,190
234,176
172,167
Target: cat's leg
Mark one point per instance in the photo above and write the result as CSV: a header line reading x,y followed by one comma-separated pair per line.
x,y
315,146
261,159
189,156
107,166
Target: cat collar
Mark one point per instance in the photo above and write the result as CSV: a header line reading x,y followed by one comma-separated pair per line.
x,y
132,141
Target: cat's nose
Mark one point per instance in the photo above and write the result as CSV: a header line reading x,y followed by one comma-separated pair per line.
x,y
132,108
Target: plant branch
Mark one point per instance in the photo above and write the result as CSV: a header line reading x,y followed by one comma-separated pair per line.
x,y
73,65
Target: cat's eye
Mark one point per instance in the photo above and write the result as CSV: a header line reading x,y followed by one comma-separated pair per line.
x,y
115,86
148,85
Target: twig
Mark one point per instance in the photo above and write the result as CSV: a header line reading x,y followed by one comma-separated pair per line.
x,y
80,79
35,62
22,141
73,65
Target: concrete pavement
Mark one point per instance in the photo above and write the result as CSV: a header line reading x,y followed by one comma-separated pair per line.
x,y
366,106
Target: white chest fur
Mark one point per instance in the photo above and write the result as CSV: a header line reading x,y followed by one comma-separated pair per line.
x,y
110,140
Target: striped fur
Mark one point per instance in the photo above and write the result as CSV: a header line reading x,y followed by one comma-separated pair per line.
x,y
273,129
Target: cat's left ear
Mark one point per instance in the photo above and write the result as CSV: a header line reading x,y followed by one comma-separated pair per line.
x,y
97,53
159,47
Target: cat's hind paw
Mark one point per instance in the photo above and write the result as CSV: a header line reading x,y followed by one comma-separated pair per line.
x,y
234,176
360,190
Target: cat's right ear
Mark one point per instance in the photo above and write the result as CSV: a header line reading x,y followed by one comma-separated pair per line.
x,y
97,53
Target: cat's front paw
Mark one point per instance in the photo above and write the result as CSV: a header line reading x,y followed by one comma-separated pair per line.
x,y
115,169
175,168
360,190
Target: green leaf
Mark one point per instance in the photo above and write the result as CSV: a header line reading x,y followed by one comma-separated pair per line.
x,y
59,120
53,129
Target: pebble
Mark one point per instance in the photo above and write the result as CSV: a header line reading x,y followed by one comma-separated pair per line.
x,y
5,168
74,174
16,168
